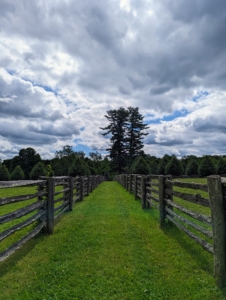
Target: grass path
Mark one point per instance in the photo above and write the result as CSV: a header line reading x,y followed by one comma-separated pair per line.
x,y
109,248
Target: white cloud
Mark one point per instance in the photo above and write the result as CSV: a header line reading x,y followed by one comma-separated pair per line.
x,y
65,63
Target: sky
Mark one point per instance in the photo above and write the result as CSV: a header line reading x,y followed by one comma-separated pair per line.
x,y
65,63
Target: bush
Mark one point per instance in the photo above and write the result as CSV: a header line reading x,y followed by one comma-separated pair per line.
x,y
4,173
206,167
174,167
192,168
140,166
221,167
17,174
38,170
79,168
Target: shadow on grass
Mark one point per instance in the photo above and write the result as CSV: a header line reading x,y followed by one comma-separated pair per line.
x,y
203,259
19,254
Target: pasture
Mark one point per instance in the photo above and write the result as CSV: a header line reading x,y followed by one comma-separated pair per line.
x,y
109,248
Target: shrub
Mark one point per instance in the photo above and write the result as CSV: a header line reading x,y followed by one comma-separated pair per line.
x,y
4,173
79,168
140,166
206,167
192,168
174,167
38,170
17,174
49,171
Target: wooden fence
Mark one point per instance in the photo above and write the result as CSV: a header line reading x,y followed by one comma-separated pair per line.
x,y
53,197
208,231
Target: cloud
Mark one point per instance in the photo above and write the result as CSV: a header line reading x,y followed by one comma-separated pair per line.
x,y
65,63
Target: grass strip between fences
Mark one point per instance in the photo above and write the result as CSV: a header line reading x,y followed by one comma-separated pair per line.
x,y
109,248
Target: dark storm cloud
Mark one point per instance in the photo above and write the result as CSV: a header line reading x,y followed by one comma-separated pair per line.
x,y
20,135
210,125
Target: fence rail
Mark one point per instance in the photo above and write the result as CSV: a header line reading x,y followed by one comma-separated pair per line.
x,y
54,196
163,193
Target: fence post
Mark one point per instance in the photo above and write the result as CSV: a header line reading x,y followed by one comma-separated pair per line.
x,y
70,194
135,186
149,181
88,185
130,183
91,183
50,205
162,212
143,189
126,182
216,197
81,188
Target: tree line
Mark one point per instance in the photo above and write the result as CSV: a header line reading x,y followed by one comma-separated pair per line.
x,y
126,134
29,165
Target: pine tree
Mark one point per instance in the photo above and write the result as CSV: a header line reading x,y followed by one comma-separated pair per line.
x,y
79,168
38,170
118,120
221,168
174,167
17,174
135,133
126,129
192,168
4,173
206,167
140,166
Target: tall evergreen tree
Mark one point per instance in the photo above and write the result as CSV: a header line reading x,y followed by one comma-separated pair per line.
x,y
126,128
118,120
135,132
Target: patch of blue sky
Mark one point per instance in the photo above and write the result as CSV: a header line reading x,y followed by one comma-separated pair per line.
x,y
11,72
175,115
45,87
200,95
84,148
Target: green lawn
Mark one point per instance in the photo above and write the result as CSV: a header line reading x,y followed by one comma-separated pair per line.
x,y
109,248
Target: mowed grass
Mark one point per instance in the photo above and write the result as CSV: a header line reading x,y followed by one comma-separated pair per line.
x,y
109,248
9,208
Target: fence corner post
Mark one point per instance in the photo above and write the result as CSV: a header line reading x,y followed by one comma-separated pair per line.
x,y
50,205
71,182
143,189
216,197
162,212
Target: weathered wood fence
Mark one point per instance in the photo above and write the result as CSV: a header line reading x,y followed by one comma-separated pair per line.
x,y
158,191
54,196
